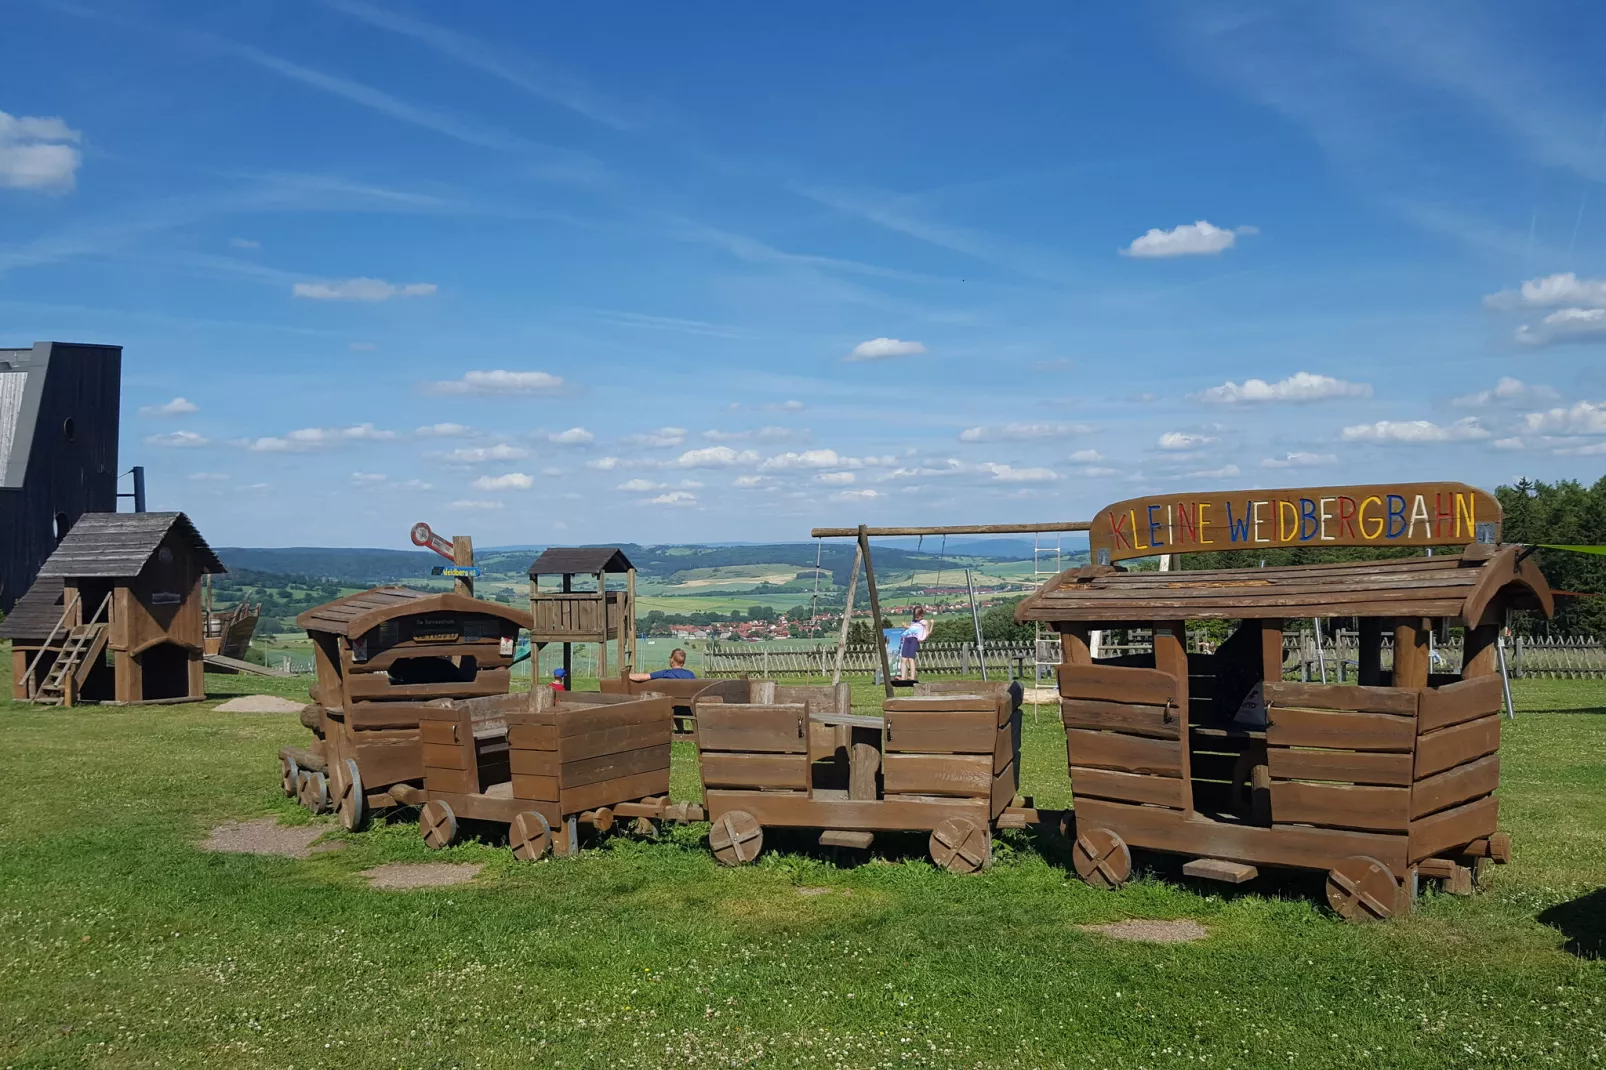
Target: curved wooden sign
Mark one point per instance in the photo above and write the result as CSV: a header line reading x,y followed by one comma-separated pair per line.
x,y
1386,514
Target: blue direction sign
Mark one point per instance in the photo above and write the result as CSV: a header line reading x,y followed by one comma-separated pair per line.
x,y
462,572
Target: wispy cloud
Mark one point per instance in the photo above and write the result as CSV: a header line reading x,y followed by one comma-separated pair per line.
x,y
316,438
1507,391
38,153
1300,460
1182,440
509,481
1416,432
1022,432
497,382
361,289
535,79
445,430
177,440
502,451
574,436
662,438
176,407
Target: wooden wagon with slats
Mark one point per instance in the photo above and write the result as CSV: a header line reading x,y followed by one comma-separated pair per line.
x,y
943,762
1214,756
545,765
382,657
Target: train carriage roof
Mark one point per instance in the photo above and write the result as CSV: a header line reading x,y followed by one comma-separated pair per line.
x,y
357,614
1475,586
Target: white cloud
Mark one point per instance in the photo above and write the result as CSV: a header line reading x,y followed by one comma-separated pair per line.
x,y
1509,444
790,405
1087,456
661,438
1551,291
497,382
574,436
474,503
884,348
177,439
1582,418
445,430
1004,473
1097,472
603,464
675,497
1300,460
314,438
1407,432
863,495
1022,432
1301,386
712,457
1564,325
361,289
502,451
176,407
1224,472
244,243
641,486
37,153
823,458
1507,390
510,481
1181,440
209,477
837,478
554,473
1189,239
368,477
1594,449
761,434
749,482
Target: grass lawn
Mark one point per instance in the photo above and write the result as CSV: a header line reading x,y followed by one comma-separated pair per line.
x,y
123,945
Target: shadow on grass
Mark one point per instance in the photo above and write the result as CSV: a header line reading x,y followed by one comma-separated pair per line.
x,y
1583,922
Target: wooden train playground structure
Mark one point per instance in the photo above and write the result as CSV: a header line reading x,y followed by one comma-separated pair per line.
x,y
1209,754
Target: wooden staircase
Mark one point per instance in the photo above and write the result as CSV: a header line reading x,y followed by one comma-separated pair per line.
x,y
81,646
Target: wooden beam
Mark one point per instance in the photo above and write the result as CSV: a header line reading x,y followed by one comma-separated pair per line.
x,y
463,554
847,616
875,608
951,529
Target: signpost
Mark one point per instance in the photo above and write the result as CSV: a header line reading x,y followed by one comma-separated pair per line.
x,y
459,550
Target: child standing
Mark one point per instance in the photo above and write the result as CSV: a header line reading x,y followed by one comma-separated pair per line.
x,y
917,632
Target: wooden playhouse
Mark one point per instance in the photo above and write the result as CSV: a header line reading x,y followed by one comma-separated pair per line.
x,y
382,656
1214,756
115,614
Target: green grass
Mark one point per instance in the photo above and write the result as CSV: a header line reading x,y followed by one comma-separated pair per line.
x,y
122,945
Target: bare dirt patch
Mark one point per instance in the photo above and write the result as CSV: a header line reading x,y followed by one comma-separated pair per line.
x,y
404,876
807,891
260,704
1181,931
264,836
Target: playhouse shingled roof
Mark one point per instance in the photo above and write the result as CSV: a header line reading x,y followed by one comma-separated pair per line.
x,y
117,545
580,560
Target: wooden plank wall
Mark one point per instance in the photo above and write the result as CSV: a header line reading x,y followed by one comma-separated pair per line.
x,y
954,745
1123,730
754,746
585,756
1340,757
1457,766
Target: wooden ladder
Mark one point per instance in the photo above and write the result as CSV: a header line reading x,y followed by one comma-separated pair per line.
x,y
80,646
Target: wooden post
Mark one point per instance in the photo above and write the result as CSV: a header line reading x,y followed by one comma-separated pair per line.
x,y
463,554
875,609
602,647
1369,655
568,647
1481,654
1271,650
1074,645
847,615
627,662
1411,652
1171,655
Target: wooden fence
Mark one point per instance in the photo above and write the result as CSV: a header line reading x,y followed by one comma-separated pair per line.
x,y
860,659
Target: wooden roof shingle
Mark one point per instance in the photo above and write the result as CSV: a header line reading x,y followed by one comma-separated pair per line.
x,y
1462,586
357,614
117,545
580,560
35,613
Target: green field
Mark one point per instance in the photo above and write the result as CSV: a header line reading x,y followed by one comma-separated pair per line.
x,y
123,945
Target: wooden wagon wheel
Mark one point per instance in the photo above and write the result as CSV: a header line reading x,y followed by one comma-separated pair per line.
x,y
314,791
736,838
289,776
350,802
530,836
1101,858
1361,888
438,824
960,845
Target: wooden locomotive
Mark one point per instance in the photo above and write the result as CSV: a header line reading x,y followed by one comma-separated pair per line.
x,y
943,763
382,656
1215,757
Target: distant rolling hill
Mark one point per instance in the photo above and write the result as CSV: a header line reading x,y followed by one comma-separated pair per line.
x,y
366,567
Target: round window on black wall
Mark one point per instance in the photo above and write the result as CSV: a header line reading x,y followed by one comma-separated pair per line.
x,y
63,525
68,429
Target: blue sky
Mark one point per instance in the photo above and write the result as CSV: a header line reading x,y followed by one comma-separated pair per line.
x,y
651,273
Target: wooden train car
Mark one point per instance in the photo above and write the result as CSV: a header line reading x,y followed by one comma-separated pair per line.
x,y
683,693
1216,757
544,767
942,763
382,656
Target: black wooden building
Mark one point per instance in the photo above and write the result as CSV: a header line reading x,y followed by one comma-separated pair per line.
x,y
58,450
